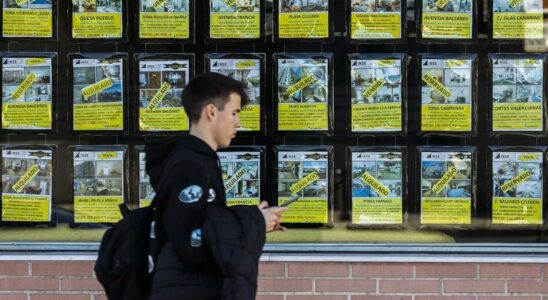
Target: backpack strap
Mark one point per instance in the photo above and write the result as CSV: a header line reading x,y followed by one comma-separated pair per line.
x,y
158,206
158,237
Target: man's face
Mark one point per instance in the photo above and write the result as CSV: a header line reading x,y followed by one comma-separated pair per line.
x,y
227,121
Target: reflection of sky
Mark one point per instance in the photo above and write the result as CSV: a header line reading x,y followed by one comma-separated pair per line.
x,y
360,167
289,75
394,186
317,72
250,167
315,165
457,192
390,71
533,168
532,92
460,95
437,164
524,6
530,189
529,75
114,88
360,189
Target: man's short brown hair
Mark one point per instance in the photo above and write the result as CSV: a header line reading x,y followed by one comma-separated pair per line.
x,y
210,88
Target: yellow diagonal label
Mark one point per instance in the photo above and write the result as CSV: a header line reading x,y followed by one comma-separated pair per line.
x,y
456,63
306,181
442,3
514,182
375,184
160,94
444,180
301,84
24,86
107,155
35,61
373,88
19,2
514,3
435,84
95,88
528,157
230,2
245,64
234,179
26,178
158,3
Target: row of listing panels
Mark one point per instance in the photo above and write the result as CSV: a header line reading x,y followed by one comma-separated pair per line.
x,y
378,93
376,184
367,20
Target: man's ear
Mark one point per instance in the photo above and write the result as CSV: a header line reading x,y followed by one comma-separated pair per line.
x,y
210,110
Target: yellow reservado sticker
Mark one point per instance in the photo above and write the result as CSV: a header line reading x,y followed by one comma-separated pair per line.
x,y
96,87
436,85
306,181
442,3
514,3
160,94
24,86
157,3
301,84
517,180
375,184
234,179
444,180
26,178
373,88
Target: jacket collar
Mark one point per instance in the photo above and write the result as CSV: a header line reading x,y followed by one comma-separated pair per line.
x,y
196,144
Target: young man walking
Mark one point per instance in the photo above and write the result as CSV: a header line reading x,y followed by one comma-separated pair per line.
x,y
210,251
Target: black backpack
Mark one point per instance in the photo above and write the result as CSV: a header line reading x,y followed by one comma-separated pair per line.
x,y
122,265
127,250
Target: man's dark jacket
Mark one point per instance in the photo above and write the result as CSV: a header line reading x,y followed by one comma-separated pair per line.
x,y
210,251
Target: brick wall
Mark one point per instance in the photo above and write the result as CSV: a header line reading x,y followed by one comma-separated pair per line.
x,y
39,280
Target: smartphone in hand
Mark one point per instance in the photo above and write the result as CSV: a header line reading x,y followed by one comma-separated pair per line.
x,y
291,200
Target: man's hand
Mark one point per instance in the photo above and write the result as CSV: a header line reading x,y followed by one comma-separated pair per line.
x,y
272,216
